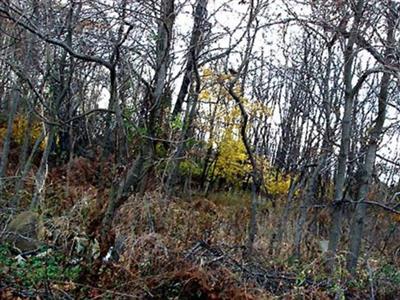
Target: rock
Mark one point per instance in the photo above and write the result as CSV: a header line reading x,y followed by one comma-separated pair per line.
x,y
323,245
23,231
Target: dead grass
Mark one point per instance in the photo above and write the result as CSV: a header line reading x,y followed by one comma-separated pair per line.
x,y
157,260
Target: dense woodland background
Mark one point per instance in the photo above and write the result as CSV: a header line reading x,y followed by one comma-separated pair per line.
x,y
199,149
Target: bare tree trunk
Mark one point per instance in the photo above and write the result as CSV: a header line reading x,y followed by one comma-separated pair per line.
x,y
181,148
200,15
23,156
340,177
13,106
196,44
207,160
282,225
60,92
41,174
308,200
144,161
121,192
24,172
356,230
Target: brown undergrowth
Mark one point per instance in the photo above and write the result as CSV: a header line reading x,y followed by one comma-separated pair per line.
x,y
193,248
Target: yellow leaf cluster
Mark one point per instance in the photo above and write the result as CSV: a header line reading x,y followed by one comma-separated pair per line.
x,y
260,108
224,77
19,127
233,117
207,72
232,163
277,184
3,131
215,82
205,95
396,218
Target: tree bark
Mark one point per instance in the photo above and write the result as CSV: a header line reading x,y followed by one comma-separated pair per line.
x,y
340,178
13,106
356,229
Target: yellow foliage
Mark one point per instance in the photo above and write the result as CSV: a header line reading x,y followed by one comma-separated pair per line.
x,y
224,77
3,131
19,127
238,91
233,117
232,163
207,73
396,218
260,108
205,95
215,87
276,184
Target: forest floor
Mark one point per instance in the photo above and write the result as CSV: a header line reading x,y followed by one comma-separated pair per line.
x,y
184,248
